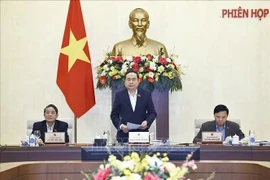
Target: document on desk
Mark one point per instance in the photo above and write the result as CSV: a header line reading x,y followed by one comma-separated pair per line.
x,y
132,126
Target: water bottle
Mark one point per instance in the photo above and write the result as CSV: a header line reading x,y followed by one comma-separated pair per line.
x,y
32,140
105,137
108,137
251,141
151,137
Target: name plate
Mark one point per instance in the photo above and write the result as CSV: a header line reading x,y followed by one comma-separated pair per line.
x,y
138,137
211,137
54,137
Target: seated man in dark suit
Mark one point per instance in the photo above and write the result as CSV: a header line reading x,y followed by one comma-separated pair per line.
x,y
50,124
132,105
220,124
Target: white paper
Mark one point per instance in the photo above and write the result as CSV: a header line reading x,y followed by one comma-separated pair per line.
x,y
133,126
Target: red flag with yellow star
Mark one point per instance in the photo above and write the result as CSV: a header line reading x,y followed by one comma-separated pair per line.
x,y
74,76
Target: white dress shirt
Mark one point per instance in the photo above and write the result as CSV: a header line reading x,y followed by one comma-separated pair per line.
x,y
133,101
50,128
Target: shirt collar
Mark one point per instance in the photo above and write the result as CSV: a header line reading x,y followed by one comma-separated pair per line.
x,y
224,126
51,126
134,42
136,92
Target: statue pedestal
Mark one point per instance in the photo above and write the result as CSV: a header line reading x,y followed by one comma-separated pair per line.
x,y
161,103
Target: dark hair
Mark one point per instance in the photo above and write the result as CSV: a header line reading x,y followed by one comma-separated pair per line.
x,y
131,71
220,108
53,106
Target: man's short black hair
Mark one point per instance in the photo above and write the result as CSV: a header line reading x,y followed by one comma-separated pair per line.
x,y
220,108
53,106
131,71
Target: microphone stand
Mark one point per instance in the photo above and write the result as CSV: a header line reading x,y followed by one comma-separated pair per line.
x,y
75,129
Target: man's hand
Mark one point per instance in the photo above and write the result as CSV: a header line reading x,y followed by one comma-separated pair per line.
x,y
124,128
144,125
40,142
199,143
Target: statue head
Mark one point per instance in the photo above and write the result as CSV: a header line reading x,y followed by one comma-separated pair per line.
x,y
139,23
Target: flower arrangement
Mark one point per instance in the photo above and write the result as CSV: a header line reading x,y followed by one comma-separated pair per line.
x,y
134,167
155,72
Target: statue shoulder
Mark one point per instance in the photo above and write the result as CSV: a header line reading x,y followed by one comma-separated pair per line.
x,y
120,46
122,43
157,43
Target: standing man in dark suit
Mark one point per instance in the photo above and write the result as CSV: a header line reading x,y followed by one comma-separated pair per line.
x,y
50,124
220,124
132,105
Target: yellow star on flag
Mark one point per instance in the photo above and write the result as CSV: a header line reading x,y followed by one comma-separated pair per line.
x,y
74,50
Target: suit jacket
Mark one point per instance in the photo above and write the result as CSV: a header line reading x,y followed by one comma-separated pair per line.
x,y
232,128
122,111
59,126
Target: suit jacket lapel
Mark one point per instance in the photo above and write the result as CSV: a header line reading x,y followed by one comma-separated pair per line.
x,y
55,126
227,130
127,100
213,127
139,99
44,126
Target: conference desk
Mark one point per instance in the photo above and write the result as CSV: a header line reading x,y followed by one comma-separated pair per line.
x,y
248,153
43,153
70,170
64,162
58,153
174,153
